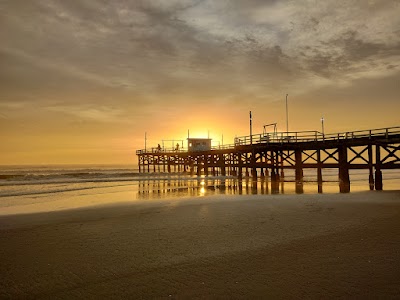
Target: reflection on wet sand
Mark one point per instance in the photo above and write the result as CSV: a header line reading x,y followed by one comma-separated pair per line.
x,y
206,186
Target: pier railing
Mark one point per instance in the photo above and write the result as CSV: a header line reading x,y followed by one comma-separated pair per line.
x,y
313,136
288,137
156,150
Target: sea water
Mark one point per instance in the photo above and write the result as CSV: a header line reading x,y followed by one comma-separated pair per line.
x,y
27,189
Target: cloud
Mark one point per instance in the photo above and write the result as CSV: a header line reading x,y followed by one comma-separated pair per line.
x,y
90,113
94,70
172,50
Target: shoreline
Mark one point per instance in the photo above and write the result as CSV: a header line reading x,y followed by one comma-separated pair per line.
x,y
310,245
29,198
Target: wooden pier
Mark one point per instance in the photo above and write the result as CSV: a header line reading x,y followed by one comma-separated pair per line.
x,y
268,155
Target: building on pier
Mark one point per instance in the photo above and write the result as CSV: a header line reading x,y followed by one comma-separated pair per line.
x,y
199,144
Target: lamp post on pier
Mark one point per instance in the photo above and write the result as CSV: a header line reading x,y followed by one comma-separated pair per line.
x,y
287,117
251,130
145,141
323,129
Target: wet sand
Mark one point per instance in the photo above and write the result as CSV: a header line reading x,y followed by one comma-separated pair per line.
x,y
280,246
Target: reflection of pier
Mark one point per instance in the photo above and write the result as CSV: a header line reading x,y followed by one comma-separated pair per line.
x,y
268,155
202,186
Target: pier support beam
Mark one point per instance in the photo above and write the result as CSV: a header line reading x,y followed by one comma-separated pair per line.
x,y
247,166
199,166
378,172
206,165
277,167
281,164
222,164
344,178
240,165
319,171
254,174
370,167
274,175
298,171
253,167
164,162
282,176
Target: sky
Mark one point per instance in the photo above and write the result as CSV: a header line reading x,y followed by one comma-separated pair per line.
x,y
82,81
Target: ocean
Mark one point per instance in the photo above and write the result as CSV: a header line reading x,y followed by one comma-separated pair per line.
x,y
27,189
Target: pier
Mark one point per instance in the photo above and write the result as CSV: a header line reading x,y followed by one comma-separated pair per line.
x,y
269,154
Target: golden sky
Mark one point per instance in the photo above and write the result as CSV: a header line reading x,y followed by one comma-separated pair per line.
x,y
81,81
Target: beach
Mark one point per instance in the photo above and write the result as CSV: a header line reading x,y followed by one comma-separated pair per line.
x,y
219,246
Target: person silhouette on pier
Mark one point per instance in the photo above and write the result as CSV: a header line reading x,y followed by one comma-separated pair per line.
x,y
177,147
159,148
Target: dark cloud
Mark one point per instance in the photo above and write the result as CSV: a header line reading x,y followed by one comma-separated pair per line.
x,y
174,50
345,53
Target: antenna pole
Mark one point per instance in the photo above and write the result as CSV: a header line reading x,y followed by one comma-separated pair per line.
x,y
145,141
287,117
251,130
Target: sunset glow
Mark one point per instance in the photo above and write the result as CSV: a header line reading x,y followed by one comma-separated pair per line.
x,y
82,82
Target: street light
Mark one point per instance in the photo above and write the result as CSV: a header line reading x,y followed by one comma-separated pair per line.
x,y
251,130
145,141
287,117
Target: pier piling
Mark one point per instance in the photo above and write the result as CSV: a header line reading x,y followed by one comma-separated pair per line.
x,y
344,178
378,172
299,171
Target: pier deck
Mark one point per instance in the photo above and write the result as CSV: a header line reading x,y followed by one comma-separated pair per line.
x,y
269,154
